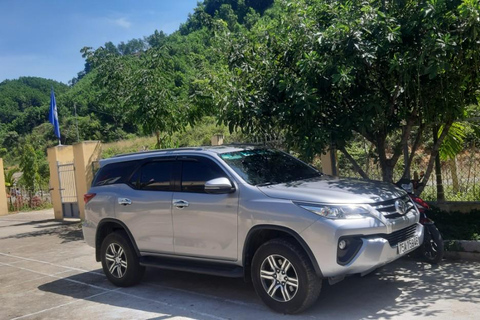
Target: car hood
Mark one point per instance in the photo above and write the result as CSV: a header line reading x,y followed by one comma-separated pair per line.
x,y
332,190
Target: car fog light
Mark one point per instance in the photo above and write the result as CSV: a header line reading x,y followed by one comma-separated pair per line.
x,y
342,244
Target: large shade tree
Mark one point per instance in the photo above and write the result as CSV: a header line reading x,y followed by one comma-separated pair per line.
x,y
321,70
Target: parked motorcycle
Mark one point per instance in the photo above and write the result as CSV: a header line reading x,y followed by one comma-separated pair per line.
x,y
432,248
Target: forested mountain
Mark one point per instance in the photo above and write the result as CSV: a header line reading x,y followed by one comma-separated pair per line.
x,y
102,112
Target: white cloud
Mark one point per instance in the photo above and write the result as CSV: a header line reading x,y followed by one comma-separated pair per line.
x,y
122,22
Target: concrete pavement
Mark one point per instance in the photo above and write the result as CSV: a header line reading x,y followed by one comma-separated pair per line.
x,y
48,272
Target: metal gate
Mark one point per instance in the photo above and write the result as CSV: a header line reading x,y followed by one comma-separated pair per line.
x,y
68,190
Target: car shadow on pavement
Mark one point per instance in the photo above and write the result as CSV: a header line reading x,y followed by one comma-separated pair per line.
x,y
404,288
67,231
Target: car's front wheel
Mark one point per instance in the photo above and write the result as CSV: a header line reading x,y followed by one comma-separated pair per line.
x,y
284,278
119,260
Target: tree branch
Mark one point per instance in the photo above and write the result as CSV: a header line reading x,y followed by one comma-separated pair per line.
x,y
397,152
354,163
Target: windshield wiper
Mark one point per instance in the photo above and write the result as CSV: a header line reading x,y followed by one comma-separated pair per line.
x,y
266,184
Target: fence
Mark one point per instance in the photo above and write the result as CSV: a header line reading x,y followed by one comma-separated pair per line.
x,y
18,199
460,176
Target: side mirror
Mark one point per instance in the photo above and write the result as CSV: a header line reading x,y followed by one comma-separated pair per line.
x,y
219,186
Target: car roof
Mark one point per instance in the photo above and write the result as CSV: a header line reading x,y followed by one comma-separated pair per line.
x,y
178,151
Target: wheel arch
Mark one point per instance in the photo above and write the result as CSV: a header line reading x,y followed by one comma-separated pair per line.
x,y
107,226
259,234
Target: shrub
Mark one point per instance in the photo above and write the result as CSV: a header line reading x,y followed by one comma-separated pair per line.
x,y
456,225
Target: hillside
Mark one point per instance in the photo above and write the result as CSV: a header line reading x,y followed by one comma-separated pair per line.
x,y
102,111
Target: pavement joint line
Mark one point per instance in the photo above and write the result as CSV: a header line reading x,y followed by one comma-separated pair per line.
x,y
97,287
171,306
245,304
66,279
34,279
63,305
26,269
118,291
52,264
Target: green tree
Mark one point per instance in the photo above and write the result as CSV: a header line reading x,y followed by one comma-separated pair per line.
x,y
29,167
320,70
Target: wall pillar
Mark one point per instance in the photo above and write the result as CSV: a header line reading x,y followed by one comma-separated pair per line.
x,y
3,192
85,154
58,154
330,163
217,140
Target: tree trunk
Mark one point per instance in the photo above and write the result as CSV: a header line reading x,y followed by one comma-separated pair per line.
x,y
438,169
414,147
157,134
453,169
433,155
354,163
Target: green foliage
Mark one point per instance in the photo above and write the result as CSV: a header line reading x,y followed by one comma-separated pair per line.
x,y
454,141
29,166
456,225
321,70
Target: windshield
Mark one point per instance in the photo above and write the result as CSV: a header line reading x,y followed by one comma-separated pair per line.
x,y
263,167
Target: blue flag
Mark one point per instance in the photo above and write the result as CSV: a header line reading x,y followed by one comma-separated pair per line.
x,y
53,116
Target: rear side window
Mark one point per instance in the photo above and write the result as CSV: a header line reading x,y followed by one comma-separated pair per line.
x,y
114,173
196,173
155,175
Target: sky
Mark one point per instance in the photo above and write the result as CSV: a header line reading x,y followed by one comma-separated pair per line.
x,y
43,38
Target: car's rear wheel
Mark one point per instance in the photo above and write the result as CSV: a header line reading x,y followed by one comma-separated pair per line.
x,y
284,278
119,260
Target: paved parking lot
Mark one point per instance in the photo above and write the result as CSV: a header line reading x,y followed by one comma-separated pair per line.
x,y
48,272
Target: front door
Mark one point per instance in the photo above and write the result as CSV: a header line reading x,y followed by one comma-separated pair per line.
x,y
205,225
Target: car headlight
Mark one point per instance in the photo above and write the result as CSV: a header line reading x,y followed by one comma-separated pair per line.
x,y
338,212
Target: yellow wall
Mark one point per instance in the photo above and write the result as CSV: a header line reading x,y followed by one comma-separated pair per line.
x,y
61,154
85,153
327,166
3,192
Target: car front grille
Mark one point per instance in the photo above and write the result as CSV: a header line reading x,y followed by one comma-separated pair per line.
x,y
400,235
387,208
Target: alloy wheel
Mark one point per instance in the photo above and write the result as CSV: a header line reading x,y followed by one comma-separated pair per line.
x,y
116,260
279,278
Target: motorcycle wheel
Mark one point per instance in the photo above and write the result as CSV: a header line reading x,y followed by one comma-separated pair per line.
x,y
432,246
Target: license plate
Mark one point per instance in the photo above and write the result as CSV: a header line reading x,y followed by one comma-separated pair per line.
x,y
408,245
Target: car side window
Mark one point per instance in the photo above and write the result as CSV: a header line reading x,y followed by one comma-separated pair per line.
x,y
154,175
196,172
114,173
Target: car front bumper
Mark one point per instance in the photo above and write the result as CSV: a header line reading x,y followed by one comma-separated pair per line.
x,y
374,249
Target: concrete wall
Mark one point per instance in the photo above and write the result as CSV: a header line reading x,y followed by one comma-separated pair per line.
x,y
58,154
3,192
461,206
85,153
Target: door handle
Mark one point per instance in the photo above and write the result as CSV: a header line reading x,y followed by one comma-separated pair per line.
x,y
124,201
180,204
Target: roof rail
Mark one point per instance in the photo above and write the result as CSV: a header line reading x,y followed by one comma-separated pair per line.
x,y
159,150
239,144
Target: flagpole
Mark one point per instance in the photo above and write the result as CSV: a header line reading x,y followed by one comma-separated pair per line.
x,y
53,116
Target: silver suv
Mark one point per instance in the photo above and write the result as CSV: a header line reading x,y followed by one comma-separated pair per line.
x,y
244,212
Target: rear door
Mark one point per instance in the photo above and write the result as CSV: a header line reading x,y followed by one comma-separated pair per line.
x,y
205,225
144,205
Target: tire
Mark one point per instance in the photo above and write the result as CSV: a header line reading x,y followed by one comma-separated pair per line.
x,y
432,247
281,258
119,261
